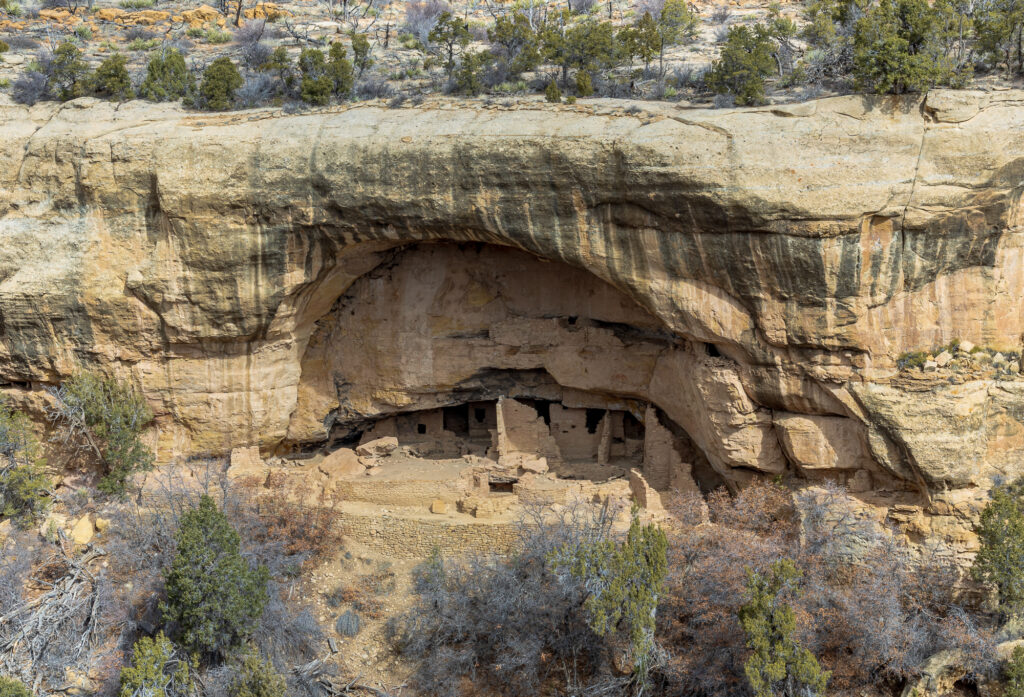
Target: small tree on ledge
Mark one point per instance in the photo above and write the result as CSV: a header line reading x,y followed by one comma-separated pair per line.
x,y
105,418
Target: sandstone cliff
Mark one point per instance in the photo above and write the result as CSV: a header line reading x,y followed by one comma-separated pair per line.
x,y
266,278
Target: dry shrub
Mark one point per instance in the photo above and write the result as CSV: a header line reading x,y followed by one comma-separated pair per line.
x,y
872,608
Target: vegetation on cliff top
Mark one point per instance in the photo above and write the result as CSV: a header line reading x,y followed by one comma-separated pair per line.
x,y
884,46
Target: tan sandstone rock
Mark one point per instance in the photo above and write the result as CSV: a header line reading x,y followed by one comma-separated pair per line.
x,y
722,266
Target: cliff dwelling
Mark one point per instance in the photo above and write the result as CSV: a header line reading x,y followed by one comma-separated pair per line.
x,y
511,374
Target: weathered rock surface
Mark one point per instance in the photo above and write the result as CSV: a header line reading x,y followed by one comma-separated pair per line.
x,y
753,273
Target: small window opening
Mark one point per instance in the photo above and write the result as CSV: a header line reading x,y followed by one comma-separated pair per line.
x,y
421,428
479,414
712,350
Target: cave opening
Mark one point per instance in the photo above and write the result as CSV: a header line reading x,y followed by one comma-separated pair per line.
x,y
477,351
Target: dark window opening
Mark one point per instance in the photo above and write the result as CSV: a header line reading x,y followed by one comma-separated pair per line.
x,y
631,427
594,417
543,410
501,485
421,428
480,415
572,320
456,419
712,350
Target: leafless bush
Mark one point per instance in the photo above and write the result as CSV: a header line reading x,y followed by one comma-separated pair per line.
x,y
688,75
139,33
250,33
420,17
374,88
68,613
651,7
18,42
721,14
255,55
722,34
30,88
581,6
872,609
451,631
258,89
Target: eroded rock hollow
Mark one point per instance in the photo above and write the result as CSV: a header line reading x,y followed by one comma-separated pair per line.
x,y
748,279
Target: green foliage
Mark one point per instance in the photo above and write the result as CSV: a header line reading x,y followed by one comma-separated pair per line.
x,y
467,77
316,86
624,582
778,664
895,48
281,66
257,678
24,486
339,69
584,84
109,416
216,36
112,79
999,25
214,598
584,45
361,52
1013,674
744,63
220,80
1000,561
156,670
4,46
167,78
552,93
70,74
516,42
452,36
9,687
83,32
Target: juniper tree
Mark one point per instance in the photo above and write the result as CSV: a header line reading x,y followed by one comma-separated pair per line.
x,y
623,582
744,63
156,670
167,77
316,86
220,80
112,79
452,36
214,597
339,69
362,53
24,486
9,687
1000,561
69,74
104,417
895,48
778,666
515,43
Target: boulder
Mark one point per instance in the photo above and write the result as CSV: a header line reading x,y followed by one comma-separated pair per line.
x,y
943,359
343,462
381,447
82,531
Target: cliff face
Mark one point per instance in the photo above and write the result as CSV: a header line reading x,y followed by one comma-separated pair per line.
x,y
269,279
